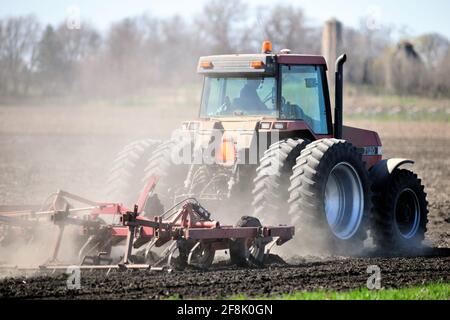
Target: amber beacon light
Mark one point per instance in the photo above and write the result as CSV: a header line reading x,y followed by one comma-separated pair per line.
x,y
266,47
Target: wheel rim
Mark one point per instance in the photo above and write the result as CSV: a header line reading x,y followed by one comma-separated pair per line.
x,y
407,213
344,201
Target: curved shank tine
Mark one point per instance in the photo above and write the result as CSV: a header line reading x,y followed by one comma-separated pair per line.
x,y
166,253
149,247
172,248
191,252
270,246
88,241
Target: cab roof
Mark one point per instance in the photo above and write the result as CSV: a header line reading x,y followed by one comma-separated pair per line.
x,y
253,63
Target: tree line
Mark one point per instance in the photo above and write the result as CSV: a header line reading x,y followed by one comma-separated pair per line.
x,y
141,52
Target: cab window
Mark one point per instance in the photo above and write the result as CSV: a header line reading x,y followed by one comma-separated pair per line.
x,y
302,96
239,96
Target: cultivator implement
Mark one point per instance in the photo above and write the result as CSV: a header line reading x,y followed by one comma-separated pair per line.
x,y
185,235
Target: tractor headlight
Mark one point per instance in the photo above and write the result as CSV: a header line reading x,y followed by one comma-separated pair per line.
x,y
280,125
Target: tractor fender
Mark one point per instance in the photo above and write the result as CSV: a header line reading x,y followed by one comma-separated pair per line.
x,y
380,174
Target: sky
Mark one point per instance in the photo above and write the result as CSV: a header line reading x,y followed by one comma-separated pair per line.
x,y
412,17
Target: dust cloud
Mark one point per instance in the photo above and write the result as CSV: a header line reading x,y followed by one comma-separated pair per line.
x,y
72,148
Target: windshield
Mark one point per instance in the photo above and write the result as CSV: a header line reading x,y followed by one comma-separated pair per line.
x,y
240,96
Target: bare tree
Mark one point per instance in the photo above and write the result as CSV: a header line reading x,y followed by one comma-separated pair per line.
x,y
123,56
432,47
77,46
285,26
52,67
78,43
365,46
180,50
19,36
220,24
441,77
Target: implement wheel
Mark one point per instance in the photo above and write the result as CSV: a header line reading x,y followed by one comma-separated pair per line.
x,y
248,252
201,256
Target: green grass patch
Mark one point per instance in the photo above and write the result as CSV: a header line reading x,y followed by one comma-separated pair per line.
x,y
435,291
438,291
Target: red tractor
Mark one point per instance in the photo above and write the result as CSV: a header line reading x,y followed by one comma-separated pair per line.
x,y
279,156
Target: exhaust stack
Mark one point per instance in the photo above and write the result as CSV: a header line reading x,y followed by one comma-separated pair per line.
x,y
339,93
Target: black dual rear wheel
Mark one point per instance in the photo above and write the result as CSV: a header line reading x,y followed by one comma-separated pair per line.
x,y
330,197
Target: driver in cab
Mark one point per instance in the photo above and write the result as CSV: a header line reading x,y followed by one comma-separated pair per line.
x,y
249,98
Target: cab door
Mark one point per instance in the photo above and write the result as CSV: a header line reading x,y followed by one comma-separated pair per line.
x,y
304,96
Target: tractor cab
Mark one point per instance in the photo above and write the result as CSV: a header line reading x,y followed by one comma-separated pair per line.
x,y
286,87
